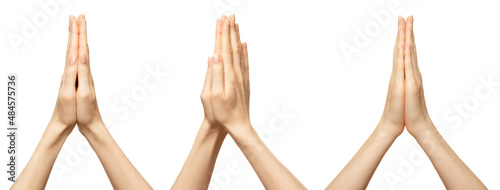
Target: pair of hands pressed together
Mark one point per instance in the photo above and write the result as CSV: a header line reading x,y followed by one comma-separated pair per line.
x,y
76,105
76,102
225,95
225,98
405,106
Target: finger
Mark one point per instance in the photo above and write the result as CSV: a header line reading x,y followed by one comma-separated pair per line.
x,y
245,72
414,50
236,48
226,53
68,84
217,75
397,55
207,86
399,52
409,69
245,60
84,75
218,37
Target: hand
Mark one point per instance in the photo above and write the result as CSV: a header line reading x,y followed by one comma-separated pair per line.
x,y
206,95
417,118
37,171
392,121
88,116
230,91
206,100
65,110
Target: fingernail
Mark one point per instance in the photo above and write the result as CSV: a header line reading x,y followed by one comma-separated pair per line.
x,y
232,17
216,58
227,22
83,16
237,26
72,60
244,45
83,59
70,21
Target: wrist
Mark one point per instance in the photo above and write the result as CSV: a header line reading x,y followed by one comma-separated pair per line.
x,y
425,131
384,132
421,129
60,128
388,130
240,130
94,132
209,129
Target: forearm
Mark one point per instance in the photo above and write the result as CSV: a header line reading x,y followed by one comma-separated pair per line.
x,y
359,171
451,169
121,173
37,171
199,165
272,173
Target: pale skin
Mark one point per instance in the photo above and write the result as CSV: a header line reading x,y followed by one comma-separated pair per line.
x,y
405,106
225,97
77,105
199,165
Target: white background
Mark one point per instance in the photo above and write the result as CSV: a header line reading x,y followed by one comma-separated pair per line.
x,y
296,65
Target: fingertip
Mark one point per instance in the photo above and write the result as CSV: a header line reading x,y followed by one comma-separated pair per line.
x,y
244,45
79,18
410,19
227,23
237,27
83,59
216,59
72,60
232,18
71,21
210,61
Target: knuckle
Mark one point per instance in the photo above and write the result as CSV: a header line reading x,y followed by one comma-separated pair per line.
x,y
227,48
205,97
66,97
86,96
231,79
413,90
241,81
70,71
83,70
237,50
217,95
408,45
